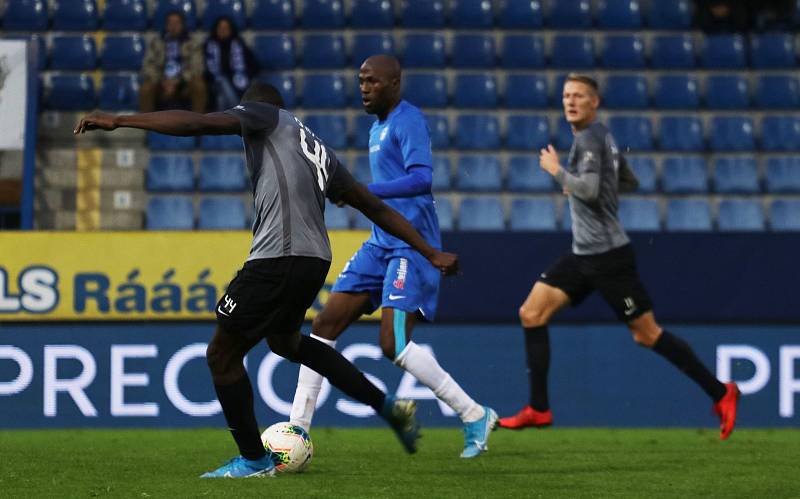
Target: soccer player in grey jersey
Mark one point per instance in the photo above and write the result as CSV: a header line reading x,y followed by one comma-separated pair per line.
x,y
601,259
292,172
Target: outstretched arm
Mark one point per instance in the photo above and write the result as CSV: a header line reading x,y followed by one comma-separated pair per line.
x,y
184,123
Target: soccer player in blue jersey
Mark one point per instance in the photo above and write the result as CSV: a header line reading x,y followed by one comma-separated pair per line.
x,y
386,272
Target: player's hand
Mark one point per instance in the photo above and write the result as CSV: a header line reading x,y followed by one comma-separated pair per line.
x,y
548,160
95,121
447,263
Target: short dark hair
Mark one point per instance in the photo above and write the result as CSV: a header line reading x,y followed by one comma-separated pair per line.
x,y
585,79
263,92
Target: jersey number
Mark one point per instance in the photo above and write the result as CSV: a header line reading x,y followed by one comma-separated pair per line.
x,y
319,157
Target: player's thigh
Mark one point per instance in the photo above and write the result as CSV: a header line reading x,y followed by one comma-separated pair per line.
x,y
339,311
563,283
225,353
396,329
541,304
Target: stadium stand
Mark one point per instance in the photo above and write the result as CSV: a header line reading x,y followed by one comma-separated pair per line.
x,y
481,213
125,15
222,213
532,214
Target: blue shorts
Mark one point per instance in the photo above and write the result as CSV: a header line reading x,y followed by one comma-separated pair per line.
x,y
396,278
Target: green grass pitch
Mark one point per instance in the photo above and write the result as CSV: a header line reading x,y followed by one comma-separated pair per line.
x,y
555,462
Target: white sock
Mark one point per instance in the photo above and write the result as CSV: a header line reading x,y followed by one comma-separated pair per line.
x,y
423,366
309,383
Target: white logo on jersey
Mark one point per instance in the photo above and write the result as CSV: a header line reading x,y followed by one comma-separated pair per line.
x,y
383,133
239,107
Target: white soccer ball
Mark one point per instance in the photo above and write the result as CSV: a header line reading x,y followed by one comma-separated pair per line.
x,y
289,445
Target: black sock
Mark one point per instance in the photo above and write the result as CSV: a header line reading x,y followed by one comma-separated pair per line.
x,y
537,347
340,372
237,405
683,357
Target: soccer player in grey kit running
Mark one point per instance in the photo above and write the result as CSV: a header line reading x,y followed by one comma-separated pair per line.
x,y
601,259
292,173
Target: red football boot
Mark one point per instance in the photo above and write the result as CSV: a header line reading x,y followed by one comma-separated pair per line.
x,y
725,409
529,417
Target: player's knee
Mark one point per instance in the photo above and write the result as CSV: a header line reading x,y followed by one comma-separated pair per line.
x,y
324,327
532,316
643,336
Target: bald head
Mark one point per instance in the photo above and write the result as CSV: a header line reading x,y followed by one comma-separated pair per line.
x,y
379,82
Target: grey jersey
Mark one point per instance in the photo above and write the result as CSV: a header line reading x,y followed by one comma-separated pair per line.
x,y
292,172
595,226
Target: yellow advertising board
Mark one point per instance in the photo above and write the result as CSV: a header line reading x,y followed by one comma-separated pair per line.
x,y
65,276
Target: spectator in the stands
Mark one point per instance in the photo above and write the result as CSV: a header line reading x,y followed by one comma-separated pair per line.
x,y
722,16
172,73
230,64
767,15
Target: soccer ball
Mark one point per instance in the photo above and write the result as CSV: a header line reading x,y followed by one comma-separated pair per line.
x,y
289,445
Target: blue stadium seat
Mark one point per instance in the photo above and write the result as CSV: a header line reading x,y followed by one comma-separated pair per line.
x,y
439,127
73,53
626,92
125,15
122,53
632,132
444,211
677,92
422,13
324,91
570,14
75,15
336,218
234,9
222,213
732,133
563,138
366,45
736,175
783,174
784,215
471,14
479,173
477,131
670,14
619,14
684,175
371,14
639,214
526,91
272,14
25,15
724,52
119,92
275,52
71,93
170,213
476,91
323,14
442,174
323,51
331,128
772,51
525,175
361,129
164,7
473,51
535,214
285,85
780,133
161,142
741,215
424,50
222,173
221,143
623,52
673,52
527,132
481,214
173,173
689,215
426,89
727,92
573,51
523,52
646,173
777,92
681,133
361,170
521,14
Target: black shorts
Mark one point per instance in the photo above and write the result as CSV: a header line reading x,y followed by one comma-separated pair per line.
x,y
271,295
612,273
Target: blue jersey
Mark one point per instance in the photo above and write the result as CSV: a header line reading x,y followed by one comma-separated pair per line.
x,y
399,142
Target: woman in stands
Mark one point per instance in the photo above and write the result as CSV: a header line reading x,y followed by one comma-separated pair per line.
x,y
230,64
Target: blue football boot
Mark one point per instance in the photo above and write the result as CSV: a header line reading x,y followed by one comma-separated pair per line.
x,y
476,434
239,467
